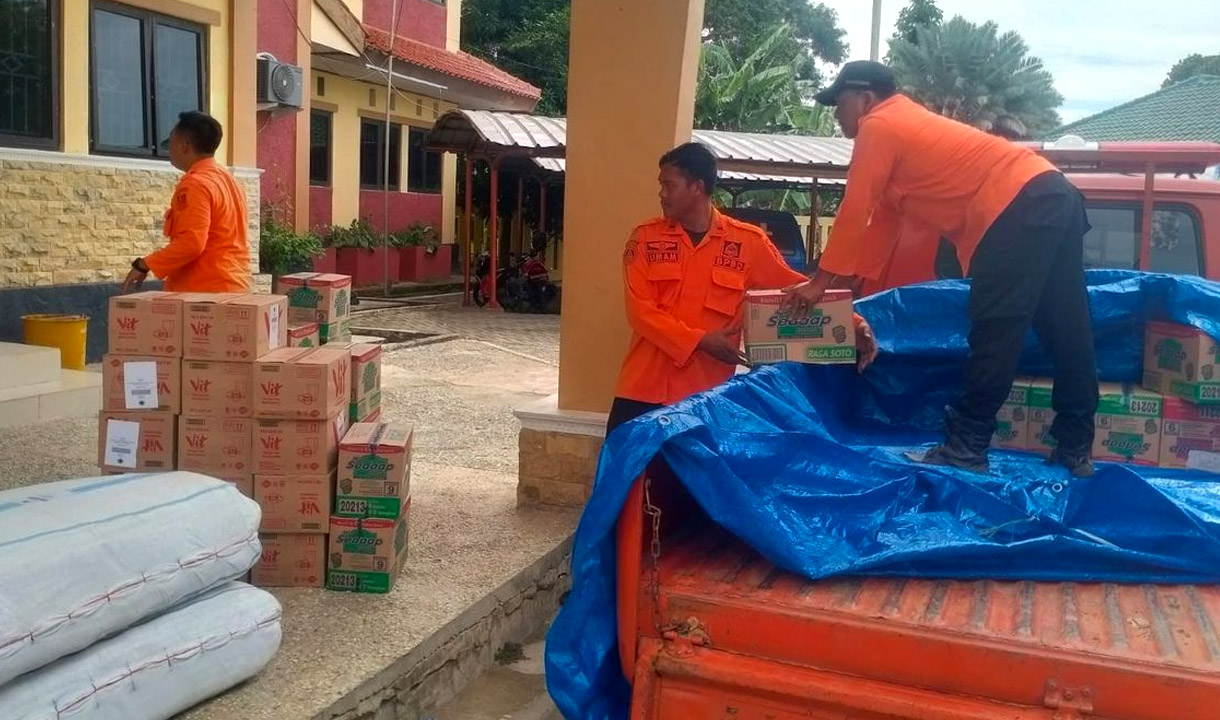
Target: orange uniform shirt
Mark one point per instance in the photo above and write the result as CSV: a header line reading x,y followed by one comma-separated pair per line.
x,y
677,291
908,162
208,250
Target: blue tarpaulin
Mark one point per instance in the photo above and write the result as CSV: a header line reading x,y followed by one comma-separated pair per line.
x,y
806,465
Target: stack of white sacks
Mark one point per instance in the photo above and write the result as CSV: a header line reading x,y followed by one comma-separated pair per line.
x,y
118,597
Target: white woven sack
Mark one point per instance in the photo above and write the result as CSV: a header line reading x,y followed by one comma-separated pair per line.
x,y
81,560
159,668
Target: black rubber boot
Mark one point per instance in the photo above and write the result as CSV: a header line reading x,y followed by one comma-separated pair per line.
x,y
1078,462
965,445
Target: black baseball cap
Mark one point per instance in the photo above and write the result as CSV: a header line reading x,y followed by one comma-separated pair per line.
x,y
858,75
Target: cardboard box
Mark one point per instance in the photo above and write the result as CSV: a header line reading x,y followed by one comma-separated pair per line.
x,y
140,441
826,335
1187,428
146,323
298,446
366,381
235,327
324,298
374,471
305,335
1128,425
294,503
244,484
218,446
154,383
302,384
1012,421
302,303
297,560
1181,361
217,389
366,554
1041,417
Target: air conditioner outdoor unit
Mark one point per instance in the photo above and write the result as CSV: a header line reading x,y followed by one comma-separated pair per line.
x,y
279,84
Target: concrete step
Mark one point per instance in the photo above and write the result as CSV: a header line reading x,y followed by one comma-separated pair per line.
x,y
73,393
23,365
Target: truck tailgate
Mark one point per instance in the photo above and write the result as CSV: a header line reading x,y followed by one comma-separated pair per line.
x,y
920,648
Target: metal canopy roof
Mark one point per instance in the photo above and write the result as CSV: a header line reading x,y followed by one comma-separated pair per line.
x,y
728,178
795,159
777,157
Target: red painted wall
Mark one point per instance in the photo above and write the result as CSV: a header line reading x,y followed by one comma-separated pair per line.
x,y
277,34
421,20
405,209
319,208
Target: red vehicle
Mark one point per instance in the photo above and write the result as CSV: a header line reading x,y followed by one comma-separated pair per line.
x,y
708,629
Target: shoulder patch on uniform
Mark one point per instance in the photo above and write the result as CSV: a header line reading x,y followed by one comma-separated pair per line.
x,y
629,250
180,200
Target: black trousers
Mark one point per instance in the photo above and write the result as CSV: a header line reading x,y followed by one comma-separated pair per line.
x,y
1029,270
624,410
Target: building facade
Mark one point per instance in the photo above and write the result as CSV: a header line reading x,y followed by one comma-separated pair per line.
x,y
356,150
89,90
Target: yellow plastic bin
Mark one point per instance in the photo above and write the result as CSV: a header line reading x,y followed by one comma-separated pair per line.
x,y
66,332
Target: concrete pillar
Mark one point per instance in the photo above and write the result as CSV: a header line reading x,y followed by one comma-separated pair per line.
x,y
631,97
627,104
242,130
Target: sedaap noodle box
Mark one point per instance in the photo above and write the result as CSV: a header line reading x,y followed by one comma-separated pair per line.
x,y
825,335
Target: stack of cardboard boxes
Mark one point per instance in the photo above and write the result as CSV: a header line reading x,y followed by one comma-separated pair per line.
x,y
323,299
224,335
368,530
141,384
1173,421
300,413
177,381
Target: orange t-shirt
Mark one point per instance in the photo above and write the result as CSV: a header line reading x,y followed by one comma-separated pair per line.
x,y
208,250
911,163
676,292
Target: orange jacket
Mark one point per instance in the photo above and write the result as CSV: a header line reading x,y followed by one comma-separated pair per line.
x,y
676,292
208,250
912,163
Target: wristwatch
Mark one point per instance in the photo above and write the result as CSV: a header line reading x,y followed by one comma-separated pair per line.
x,y
139,265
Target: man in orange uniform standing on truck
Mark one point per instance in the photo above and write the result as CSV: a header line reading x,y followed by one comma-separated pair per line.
x,y
685,280
208,250
1018,228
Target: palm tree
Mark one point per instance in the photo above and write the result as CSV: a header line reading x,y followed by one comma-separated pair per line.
x,y
974,74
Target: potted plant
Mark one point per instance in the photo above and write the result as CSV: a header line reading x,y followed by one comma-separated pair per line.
x,y
421,256
282,250
359,253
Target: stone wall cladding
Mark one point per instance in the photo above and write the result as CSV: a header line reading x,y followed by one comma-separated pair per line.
x,y
64,222
556,468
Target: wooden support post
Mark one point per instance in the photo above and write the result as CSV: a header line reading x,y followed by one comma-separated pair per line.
x,y
468,230
493,241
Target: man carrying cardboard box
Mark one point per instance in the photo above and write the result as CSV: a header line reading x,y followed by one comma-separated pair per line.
x,y
685,276
206,222
1018,226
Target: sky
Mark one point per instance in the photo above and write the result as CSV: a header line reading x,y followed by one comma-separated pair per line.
x,y
1101,52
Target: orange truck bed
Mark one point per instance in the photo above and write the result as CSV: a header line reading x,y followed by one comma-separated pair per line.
x,y
740,639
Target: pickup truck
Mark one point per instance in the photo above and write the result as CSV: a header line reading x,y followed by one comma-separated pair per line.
x,y
709,629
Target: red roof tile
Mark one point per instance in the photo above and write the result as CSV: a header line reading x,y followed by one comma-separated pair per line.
x,y
455,64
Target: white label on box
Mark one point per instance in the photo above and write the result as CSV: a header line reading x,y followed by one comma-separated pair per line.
x,y
140,385
1203,460
273,327
122,443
